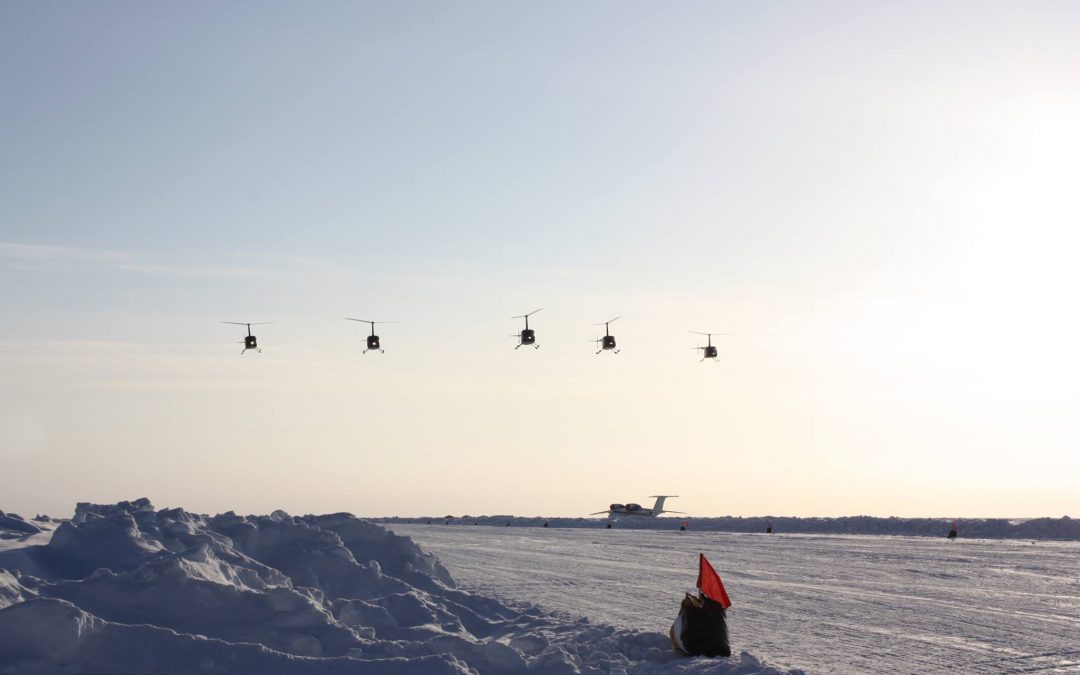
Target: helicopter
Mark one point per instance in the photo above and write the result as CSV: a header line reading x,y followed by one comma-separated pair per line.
x,y
249,342
709,352
527,335
373,339
608,341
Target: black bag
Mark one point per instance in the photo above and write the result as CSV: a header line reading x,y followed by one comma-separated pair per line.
x,y
701,628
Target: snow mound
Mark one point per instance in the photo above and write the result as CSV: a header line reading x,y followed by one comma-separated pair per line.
x,y
12,525
126,588
11,589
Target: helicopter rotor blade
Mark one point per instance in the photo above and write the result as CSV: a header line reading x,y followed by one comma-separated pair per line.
x,y
245,323
697,332
525,316
604,323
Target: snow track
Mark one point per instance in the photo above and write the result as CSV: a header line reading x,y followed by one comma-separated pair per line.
x,y
827,604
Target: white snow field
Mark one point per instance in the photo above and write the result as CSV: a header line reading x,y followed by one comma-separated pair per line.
x,y
823,603
127,589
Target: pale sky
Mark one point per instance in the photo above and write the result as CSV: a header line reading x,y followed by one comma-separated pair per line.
x,y
878,201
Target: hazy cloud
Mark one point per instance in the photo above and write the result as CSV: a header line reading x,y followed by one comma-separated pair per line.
x,y
47,253
44,255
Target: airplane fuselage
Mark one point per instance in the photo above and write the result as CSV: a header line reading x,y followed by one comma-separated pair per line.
x,y
640,513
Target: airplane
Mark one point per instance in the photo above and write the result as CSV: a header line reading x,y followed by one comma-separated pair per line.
x,y
620,510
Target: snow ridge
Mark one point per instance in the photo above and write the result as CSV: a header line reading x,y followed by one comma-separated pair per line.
x,y
1059,529
129,589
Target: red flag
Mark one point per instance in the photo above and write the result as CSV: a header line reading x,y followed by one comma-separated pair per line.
x,y
708,582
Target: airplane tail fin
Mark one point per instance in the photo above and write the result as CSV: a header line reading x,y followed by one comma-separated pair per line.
x,y
659,506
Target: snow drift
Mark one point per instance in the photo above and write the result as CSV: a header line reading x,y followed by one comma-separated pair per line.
x,y
127,588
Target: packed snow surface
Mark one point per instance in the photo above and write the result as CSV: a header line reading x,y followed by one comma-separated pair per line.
x,y
128,589
1062,529
823,603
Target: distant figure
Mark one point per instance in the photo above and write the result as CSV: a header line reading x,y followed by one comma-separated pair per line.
x,y
952,531
508,524
609,526
768,529
545,523
429,522
683,525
